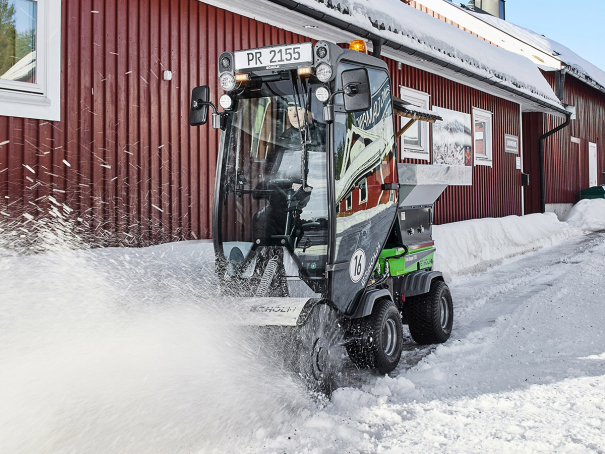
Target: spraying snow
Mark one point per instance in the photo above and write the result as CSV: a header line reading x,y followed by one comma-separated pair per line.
x,y
116,350
123,350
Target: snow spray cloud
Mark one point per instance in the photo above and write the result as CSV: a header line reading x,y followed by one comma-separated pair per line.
x,y
122,350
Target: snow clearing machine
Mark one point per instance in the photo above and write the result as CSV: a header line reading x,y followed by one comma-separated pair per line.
x,y
319,231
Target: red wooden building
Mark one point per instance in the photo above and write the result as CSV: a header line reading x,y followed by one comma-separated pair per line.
x,y
102,135
574,157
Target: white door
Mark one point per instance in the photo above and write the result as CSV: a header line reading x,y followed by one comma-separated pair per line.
x,y
592,164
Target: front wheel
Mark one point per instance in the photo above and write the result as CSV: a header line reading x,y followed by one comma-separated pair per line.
x,y
321,355
378,338
431,316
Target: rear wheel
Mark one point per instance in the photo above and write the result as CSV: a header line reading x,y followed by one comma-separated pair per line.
x,y
377,339
431,316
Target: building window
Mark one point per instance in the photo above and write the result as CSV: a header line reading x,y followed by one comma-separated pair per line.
x,y
349,202
415,141
482,137
30,58
18,41
363,191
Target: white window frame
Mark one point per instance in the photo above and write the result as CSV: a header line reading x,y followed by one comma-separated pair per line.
x,y
41,100
422,100
487,117
363,184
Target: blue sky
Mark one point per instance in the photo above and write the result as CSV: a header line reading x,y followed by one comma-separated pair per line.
x,y
579,25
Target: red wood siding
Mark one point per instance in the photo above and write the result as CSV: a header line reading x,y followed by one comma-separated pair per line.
x,y
496,191
136,173
566,162
563,182
533,128
124,158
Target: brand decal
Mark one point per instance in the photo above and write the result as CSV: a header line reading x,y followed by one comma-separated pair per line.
x,y
279,309
381,101
372,260
427,261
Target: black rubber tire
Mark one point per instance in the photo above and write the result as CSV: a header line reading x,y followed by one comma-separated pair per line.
x,y
424,315
321,354
368,350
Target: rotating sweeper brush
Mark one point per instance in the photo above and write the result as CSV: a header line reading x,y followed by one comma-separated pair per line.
x,y
320,235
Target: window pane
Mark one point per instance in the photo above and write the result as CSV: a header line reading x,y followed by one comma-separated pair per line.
x,y
18,40
479,139
413,135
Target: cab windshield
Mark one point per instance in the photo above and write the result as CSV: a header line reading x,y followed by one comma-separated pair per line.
x,y
273,181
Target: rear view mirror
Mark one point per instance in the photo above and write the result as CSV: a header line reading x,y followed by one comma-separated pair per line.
x,y
198,115
356,88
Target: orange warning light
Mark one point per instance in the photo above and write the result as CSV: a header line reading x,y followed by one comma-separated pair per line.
x,y
359,45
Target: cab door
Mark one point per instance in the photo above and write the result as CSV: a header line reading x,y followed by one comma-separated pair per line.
x,y
365,207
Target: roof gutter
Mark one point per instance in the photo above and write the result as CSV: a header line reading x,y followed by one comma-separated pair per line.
x,y
345,26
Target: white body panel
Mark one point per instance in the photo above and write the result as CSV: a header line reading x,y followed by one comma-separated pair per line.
x,y
265,311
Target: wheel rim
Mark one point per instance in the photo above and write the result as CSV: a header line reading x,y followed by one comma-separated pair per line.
x,y
445,312
389,337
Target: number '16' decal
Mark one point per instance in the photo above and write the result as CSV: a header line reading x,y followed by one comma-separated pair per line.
x,y
357,265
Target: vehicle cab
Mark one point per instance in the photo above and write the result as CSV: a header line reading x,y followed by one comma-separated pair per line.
x,y
306,170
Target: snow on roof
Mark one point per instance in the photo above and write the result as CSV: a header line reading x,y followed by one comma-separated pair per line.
x,y
403,24
577,64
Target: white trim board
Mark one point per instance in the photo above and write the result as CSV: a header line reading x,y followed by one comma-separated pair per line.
x,y
46,103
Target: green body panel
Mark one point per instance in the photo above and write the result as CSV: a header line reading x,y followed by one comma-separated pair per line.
x,y
397,266
596,192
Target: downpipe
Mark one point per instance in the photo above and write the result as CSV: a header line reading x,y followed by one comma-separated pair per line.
x,y
542,178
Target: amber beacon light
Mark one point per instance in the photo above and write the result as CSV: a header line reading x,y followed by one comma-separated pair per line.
x,y
359,45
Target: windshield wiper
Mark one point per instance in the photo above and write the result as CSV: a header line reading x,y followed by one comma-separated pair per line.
x,y
303,132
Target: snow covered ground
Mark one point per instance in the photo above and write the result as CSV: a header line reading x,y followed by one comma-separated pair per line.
x,y
122,350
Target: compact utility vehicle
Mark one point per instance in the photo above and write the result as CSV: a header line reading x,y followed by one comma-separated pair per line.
x,y
316,225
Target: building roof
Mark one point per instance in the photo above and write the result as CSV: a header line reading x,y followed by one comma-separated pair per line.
x,y
419,40
577,65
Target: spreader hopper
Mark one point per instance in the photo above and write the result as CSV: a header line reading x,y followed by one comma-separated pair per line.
x,y
420,185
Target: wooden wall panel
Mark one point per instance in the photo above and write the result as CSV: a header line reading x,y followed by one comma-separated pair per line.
x,y
496,191
124,158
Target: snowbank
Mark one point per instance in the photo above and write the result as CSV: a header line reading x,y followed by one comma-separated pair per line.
x,y
472,246
588,215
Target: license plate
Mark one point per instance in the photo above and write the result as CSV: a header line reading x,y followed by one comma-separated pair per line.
x,y
274,57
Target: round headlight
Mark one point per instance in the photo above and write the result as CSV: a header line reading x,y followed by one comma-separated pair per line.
x,y
321,52
324,72
228,82
225,62
322,94
225,101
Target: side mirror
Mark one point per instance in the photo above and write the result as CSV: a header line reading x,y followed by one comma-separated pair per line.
x,y
356,88
198,115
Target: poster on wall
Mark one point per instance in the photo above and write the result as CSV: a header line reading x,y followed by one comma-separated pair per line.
x,y
452,139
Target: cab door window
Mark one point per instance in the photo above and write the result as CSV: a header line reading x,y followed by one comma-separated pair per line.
x,y
364,161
